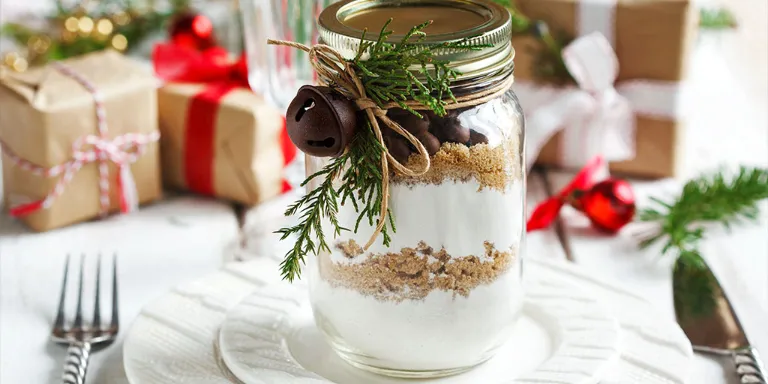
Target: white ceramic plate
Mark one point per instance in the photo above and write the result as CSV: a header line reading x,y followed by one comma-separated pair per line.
x,y
565,335
175,338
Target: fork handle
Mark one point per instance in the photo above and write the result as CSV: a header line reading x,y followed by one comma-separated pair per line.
x,y
76,364
749,367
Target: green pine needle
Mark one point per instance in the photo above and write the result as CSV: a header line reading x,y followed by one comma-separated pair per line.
x,y
386,78
312,207
708,199
717,19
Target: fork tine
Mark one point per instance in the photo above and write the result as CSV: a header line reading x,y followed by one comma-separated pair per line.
x,y
59,322
97,304
115,320
78,324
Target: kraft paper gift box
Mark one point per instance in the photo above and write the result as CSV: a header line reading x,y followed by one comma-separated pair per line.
x,y
235,148
79,139
652,40
218,137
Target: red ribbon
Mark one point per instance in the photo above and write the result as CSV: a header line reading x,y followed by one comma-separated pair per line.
x,y
546,212
183,64
221,75
289,153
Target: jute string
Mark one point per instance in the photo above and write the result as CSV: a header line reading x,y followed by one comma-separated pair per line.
x,y
333,69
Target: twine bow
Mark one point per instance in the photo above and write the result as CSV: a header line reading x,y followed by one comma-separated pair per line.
x,y
333,69
122,151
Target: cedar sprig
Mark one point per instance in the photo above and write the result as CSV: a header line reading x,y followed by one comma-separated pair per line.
x,y
360,185
717,19
362,182
317,204
710,199
386,78
707,199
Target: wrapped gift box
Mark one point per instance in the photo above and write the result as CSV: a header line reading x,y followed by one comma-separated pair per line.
x,y
652,40
79,139
223,140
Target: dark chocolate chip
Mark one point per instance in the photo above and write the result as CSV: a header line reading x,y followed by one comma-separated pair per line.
x,y
449,129
398,148
386,131
408,120
476,138
430,142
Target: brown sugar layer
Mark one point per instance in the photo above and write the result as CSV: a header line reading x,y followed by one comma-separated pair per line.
x,y
492,167
414,272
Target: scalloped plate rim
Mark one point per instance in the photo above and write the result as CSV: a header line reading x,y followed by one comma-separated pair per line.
x,y
561,266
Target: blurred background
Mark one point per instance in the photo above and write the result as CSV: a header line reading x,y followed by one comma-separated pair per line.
x,y
730,47
715,50
41,30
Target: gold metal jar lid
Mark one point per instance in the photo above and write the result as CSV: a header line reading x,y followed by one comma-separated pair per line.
x,y
341,26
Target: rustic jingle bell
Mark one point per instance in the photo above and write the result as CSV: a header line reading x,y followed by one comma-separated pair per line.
x,y
320,121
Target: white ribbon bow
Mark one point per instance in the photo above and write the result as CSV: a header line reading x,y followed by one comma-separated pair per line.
x,y
597,117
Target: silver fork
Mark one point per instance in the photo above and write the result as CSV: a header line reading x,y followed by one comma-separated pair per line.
x,y
80,336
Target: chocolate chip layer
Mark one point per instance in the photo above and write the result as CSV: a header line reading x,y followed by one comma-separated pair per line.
x,y
431,130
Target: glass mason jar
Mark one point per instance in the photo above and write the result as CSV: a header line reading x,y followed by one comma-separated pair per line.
x,y
446,293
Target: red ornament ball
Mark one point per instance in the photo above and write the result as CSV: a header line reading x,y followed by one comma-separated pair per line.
x,y
609,204
192,30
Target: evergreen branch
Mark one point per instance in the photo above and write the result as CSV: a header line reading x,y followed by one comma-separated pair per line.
x,y
709,199
390,64
361,181
318,203
717,19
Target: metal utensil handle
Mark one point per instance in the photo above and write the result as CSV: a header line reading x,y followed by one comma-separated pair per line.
x,y
76,364
749,366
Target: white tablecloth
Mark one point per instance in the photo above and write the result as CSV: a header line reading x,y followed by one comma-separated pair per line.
x,y
157,248
185,238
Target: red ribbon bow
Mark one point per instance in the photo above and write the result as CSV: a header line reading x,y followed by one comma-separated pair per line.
x,y
221,74
184,64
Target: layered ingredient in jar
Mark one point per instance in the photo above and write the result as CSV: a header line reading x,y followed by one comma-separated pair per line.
x,y
449,279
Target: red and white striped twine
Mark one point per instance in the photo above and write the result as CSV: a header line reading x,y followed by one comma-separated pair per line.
x,y
123,150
